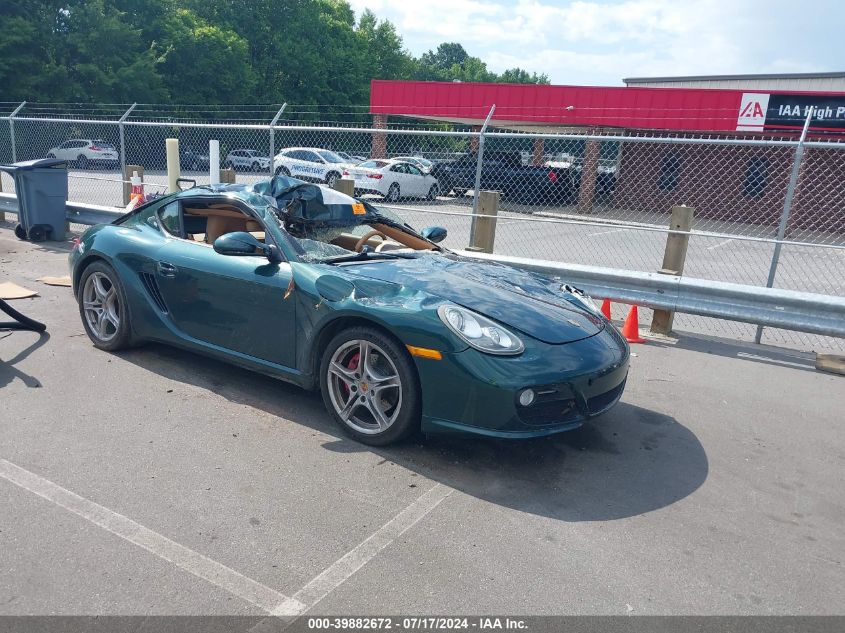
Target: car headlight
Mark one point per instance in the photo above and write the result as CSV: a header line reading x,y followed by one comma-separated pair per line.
x,y
479,331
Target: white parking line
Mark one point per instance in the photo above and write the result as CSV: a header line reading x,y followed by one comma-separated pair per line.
x,y
343,568
193,562
606,232
722,243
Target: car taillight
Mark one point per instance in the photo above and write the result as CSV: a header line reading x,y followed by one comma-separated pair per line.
x,y
76,243
376,176
95,148
552,176
345,173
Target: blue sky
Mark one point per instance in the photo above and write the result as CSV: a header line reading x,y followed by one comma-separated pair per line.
x,y
589,42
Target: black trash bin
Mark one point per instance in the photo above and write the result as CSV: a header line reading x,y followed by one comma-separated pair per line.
x,y
41,188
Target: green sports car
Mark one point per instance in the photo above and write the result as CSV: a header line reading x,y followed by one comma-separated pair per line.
x,y
328,292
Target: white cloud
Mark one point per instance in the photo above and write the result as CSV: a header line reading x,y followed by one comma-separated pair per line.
x,y
595,42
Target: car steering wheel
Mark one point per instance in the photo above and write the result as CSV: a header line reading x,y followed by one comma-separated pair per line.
x,y
359,245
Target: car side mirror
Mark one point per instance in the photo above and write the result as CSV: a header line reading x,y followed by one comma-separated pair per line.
x,y
434,233
243,243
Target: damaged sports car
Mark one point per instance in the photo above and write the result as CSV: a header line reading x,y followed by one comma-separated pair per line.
x,y
328,292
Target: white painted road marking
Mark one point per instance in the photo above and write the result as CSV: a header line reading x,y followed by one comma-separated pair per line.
x,y
343,568
722,243
193,562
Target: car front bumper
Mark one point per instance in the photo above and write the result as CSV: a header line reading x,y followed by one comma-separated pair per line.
x,y
473,392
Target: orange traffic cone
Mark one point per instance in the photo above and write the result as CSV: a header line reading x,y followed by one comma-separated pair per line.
x,y
605,308
631,328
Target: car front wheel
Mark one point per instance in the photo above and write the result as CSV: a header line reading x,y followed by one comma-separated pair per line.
x,y
370,386
103,308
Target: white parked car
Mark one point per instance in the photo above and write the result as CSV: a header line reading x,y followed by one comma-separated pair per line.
x,y
310,163
353,159
393,179
423,163
246,159
85,152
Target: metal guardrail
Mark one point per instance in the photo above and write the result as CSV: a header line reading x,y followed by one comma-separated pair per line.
x,y
772,307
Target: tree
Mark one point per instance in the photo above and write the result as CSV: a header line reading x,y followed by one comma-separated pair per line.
x,y
385,56
203,63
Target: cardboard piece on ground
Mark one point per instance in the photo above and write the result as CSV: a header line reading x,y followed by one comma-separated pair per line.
x,y
9,290
831,362
56,281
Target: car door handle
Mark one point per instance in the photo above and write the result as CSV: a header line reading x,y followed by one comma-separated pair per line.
x,y
166,270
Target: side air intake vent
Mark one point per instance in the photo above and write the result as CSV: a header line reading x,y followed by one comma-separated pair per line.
x,y
153,290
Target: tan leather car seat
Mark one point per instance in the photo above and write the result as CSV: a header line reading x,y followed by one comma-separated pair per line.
x,y
218,226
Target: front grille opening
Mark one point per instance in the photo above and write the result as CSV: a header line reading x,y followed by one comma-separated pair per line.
x,y
599,403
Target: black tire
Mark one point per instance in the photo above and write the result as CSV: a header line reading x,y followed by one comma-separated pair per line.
x,y
459,192
405,411
393,193
37,233
20,232
82,161
282,171
256,167
228,165
331,178
433,192
122,336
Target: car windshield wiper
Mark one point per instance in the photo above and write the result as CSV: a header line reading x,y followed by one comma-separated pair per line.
x,y
364,256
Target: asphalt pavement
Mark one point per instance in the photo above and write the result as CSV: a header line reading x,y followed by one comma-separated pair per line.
x,y
156,481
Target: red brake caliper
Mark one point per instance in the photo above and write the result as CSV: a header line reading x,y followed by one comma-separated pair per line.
x,y
353,365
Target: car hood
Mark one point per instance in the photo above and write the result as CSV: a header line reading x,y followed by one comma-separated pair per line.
x,y
522,300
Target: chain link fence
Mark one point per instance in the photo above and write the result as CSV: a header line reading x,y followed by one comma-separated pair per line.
x,y
602,200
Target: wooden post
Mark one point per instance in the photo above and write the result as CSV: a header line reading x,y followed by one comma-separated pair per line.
x,y
127,174
174,169
345,185
589,173
485,228
227,176
673,261
834,363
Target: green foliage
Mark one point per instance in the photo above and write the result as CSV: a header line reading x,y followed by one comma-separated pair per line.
x,y
214,52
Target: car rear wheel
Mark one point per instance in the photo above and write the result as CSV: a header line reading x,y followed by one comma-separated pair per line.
x,y
331,178
103,307
282,171
433,192
256,167
370,386
82,161
393,193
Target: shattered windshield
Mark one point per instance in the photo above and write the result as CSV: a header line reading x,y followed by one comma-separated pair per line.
x,y
321,241
324,224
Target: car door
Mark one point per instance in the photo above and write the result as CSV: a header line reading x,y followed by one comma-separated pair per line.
x,y
398,174
61,151
416,182
231,303
313,166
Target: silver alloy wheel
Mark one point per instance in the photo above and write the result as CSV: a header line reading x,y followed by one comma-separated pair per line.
x,y
364,386
102,307
331,180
